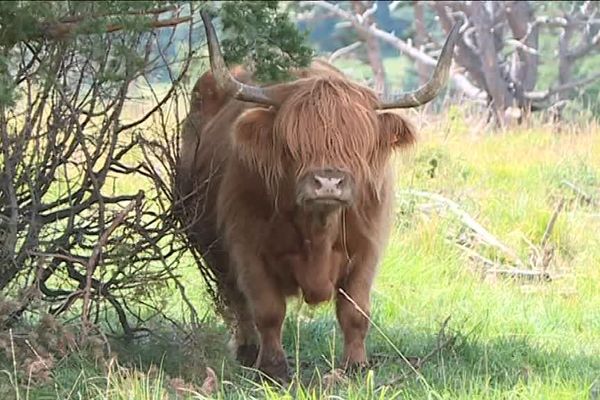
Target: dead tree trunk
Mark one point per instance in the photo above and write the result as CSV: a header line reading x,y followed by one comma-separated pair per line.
x,y
420,40
525,60
366,9
497,88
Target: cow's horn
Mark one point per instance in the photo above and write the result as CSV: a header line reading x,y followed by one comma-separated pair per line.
x,y
438,79
225,81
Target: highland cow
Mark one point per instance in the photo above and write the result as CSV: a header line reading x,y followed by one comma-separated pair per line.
x,y
287,191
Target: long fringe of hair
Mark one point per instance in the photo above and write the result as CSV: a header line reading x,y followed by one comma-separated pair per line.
x,y
331,122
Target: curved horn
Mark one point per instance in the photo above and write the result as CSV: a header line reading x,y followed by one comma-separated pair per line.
x,y
438,79
225,81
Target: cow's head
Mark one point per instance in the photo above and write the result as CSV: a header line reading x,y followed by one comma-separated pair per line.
x,y
325,136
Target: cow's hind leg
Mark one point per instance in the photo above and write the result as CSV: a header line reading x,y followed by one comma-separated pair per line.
x,y
245,338
244,342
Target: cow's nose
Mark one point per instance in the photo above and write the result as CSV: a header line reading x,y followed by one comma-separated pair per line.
x,y
327,186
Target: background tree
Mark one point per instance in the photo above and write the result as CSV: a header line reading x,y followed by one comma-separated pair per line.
x,y
518,56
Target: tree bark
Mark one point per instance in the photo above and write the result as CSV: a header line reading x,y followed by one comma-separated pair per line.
x,y
420,40
497,87
525,61
565,61
373,48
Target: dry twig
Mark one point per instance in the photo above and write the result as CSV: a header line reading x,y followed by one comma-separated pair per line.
x,y
444,341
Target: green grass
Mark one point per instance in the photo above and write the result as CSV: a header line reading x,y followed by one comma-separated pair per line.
x,y
514,340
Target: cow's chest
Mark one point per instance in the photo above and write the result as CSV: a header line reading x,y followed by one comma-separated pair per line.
x,y
312,264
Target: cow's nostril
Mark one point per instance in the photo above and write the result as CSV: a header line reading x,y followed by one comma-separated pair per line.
x,y
339,182
317,182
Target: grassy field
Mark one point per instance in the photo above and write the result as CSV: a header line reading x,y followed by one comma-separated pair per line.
x,y
504,339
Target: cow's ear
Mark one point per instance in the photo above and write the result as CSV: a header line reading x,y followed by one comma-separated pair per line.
x,y
254,129
396,131
254,141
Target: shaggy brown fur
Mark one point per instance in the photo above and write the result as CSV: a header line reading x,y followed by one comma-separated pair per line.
x,y
241,163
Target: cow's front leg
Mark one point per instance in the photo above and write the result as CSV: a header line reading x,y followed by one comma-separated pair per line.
x,y
353,322
267,304
269,314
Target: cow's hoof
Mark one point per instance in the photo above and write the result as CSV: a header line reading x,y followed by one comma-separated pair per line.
x,y
278,370
246,354
357,368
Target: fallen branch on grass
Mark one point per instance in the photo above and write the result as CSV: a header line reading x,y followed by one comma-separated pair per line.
x,y
443,342
506,270
470,222
521,273
587,198
551,223
475,255
541,255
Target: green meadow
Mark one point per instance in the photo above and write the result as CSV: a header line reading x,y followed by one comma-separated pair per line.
x,y
443,326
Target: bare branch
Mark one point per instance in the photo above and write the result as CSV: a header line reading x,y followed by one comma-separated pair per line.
x,y
517,44
94,258
551,223
585,47
545,94
373,52
68,209
587,198
60,31
343,51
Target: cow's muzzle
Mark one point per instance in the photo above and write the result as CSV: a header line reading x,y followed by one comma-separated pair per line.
x,y
325,187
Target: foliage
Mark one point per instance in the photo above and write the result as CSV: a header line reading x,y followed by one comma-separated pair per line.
x,y
258,33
